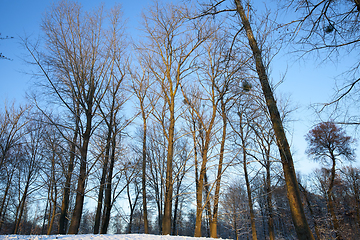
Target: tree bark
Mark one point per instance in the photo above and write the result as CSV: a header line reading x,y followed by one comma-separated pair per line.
x,y
108,187
103,177
52,218
213,225
166,221
63,219
146,223
80,191
293,193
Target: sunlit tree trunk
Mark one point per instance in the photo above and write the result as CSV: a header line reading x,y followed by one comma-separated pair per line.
x,y
169,56
143,176
214,221
297,211
166,221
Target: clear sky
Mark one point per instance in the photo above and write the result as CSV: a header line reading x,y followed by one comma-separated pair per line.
x,y
306,82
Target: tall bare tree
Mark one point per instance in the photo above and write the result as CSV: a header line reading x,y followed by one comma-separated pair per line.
x,y
298,215
169,55
80,55
297,210
141,87
113,101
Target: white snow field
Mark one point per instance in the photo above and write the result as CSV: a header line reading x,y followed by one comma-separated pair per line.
x,y
99,237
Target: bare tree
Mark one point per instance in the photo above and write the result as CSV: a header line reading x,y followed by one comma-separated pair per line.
x,y
51,172
242,129
156,152
28,169
299,219
13,124
169,55
141,87
113,101
297,210
80,54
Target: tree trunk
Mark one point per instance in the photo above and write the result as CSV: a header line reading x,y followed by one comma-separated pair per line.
x,y
199,208
207,206
52,219
63,219
197,231
176,205
80,191
235,226
331,200
200,187
46,209
108,187
132,207
146,223
250,202
179,179
213,225
246,175
21,206
269,206
166,221
297,211
3,202
53,197
103,178
199,195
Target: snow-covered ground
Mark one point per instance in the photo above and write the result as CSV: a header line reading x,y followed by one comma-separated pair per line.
x,y
98,237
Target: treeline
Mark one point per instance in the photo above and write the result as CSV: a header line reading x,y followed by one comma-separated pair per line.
x,y
177,133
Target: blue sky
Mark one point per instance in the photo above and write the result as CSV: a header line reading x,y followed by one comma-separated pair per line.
x,y
20,18
306,82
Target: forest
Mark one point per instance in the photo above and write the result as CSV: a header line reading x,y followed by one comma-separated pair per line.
x,y
181,131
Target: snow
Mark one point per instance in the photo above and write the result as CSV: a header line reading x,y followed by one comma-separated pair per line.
x,y
99,237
